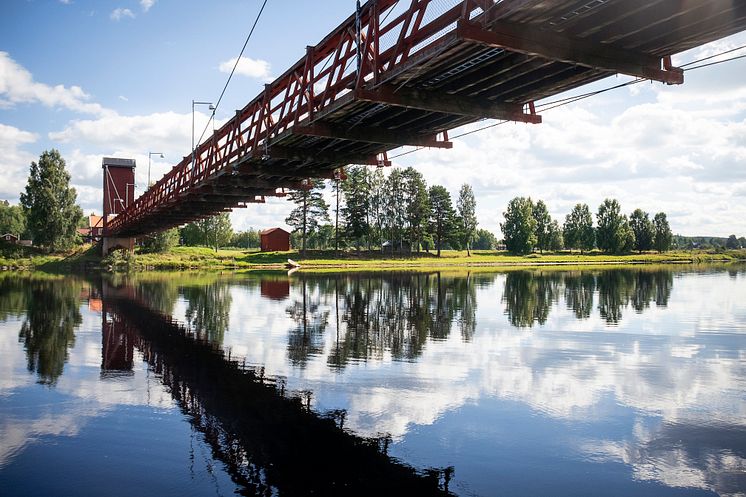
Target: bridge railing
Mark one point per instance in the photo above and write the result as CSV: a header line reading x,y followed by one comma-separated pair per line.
x,y
383,36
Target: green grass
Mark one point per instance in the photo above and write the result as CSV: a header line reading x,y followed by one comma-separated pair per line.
x,y
202,258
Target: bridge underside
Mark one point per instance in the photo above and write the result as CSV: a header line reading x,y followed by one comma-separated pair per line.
x,y
420,75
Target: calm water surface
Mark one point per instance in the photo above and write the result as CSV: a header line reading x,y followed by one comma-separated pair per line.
x,y
611,382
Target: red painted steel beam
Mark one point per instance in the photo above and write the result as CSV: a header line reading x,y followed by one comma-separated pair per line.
x,y
369,135
528,40
447,104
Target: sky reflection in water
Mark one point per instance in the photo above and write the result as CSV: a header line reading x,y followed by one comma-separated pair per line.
x,y
627,381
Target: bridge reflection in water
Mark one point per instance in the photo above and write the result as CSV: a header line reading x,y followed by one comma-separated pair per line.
x,y
268,440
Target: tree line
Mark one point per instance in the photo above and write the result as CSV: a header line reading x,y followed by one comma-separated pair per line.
x,y
396,213
528,226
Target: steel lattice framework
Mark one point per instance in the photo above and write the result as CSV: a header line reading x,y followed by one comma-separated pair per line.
x,y
405,73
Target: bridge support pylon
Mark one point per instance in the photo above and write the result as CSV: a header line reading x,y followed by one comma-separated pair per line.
x,y
117,242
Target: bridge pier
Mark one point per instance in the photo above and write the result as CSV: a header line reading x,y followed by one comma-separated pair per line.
x,y
117,242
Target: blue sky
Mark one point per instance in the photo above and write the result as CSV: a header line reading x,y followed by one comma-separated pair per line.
x,y
116,78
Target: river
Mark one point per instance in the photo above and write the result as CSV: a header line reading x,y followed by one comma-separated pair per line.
x,y
524,382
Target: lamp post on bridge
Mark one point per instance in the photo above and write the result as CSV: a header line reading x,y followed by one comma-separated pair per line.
x,y
194,103
150,154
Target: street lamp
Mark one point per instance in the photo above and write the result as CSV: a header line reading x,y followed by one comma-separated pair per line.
x,y
150,154
211,107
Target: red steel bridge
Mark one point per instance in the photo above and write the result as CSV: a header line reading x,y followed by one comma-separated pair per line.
x,y
406,72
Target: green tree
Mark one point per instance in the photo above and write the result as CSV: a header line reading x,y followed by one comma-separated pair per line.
x,y
417,206
625,237
49,203
741,241
12,219
484,240
310,209
442,215
612,235
519,228
377,183
356,191
467,207
663,234
543,221
643,229
246,239
395,213
556,240
162,241
578,229
732,242
215,231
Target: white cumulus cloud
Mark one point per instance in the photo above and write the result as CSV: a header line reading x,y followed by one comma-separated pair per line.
x,y
146,4
251,68
121,13
14,160
17,85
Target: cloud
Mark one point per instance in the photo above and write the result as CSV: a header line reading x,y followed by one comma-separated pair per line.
x,y
146,4
123,98
17,85
251,68
120,13
14,160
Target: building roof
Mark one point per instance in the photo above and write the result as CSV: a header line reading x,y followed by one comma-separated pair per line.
x,y
271,230
9,234
115,162
95,221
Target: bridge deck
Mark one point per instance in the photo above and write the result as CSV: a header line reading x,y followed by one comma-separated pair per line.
x,y
404,73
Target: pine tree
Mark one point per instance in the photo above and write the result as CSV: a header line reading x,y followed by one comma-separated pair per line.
x,y
442,215
467,206
49,203
356,191
311,208
417,206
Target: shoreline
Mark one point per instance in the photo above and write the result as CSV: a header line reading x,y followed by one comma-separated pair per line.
x,y
198,258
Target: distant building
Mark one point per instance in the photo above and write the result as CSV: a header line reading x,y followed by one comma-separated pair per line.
x,y
94,229
274,239
9,238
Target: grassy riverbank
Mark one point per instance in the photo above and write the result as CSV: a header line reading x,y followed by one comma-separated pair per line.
x,y
204,258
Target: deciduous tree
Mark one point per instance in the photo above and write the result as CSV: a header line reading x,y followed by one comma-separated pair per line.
x,y
519,228
49,203
578,229
417,206
467,206
543,221
12,219
663,234
643,229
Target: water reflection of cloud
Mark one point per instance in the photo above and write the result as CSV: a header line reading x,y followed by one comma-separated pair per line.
x,y
680,363
85,395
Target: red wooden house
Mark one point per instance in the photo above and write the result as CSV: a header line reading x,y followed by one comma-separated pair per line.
x,y
274,239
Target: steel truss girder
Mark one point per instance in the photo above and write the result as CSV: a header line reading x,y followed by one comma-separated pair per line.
x,y
412,98
546,44
370,134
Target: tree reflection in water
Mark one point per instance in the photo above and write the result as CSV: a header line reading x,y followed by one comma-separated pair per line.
x,y
270,443
529,295
48,331
377,314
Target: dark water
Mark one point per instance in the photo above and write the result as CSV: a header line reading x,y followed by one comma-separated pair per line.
x,y
522,383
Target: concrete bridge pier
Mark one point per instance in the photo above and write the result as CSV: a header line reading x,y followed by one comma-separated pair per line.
x,y
117,242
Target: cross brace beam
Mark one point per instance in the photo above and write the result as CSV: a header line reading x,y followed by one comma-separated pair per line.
x,y
370,135
553,46
308,155
448,104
